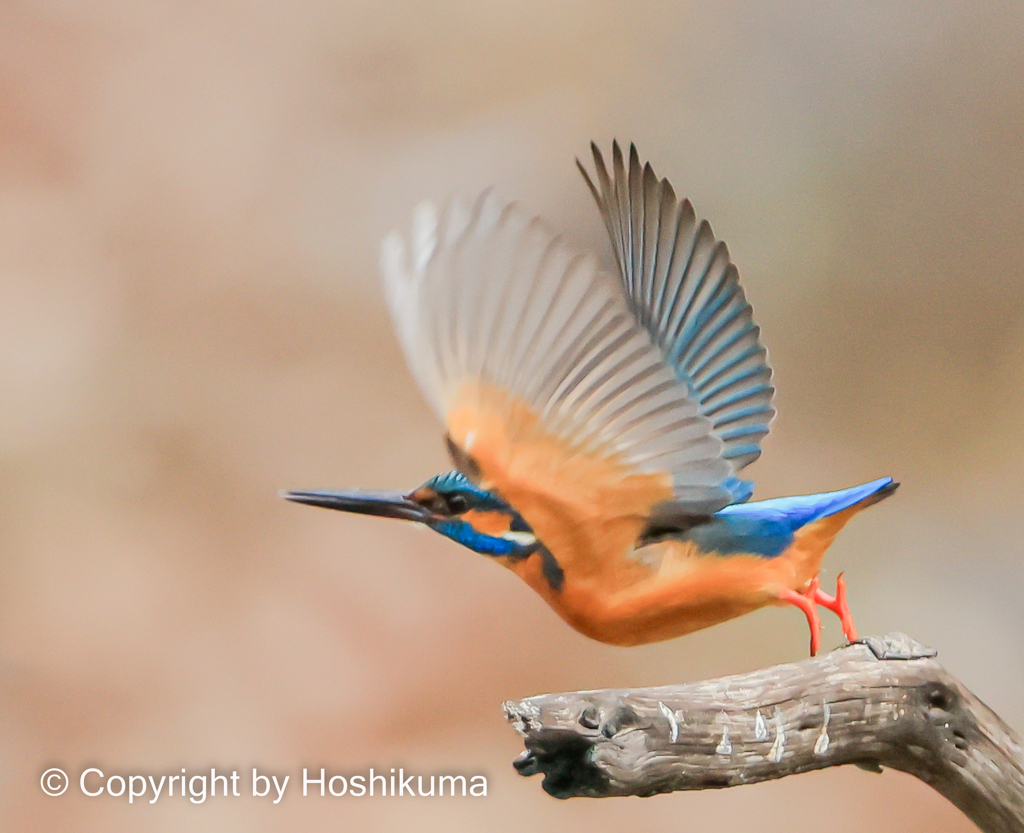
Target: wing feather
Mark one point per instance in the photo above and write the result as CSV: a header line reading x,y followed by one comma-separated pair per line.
x,y
490,305
684,291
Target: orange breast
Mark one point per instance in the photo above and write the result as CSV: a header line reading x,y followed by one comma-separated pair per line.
x,y
687,592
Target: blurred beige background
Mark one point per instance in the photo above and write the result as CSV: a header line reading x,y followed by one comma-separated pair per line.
x,y
191,199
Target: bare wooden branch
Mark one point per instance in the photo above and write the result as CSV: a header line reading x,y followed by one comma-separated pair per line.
x,y
881,702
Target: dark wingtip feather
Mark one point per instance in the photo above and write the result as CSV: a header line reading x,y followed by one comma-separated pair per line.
x,y
634,157
601,170
617,154
589,181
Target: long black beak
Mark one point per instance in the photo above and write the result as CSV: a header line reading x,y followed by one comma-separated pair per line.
x,y
382,504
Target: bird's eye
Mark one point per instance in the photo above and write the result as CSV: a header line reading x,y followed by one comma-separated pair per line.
x,y
457,504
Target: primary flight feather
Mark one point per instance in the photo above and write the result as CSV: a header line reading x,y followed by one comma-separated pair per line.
x,y
599,421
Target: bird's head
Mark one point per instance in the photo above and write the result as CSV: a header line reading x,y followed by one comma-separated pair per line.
x,y
448,503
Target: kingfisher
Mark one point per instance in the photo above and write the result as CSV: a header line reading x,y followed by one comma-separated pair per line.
x,y
598,419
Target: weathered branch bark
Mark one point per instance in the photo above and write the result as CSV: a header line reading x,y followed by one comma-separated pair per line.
x,y
879,702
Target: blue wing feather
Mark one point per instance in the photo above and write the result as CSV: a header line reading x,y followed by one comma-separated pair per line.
x,y
685,292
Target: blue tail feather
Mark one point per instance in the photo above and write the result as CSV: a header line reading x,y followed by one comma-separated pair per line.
x,y
766,527
801,510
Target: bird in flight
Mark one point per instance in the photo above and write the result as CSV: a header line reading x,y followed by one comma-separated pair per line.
x,y
598,420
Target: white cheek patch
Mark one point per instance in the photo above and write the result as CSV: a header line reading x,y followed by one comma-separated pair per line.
x,y
524,539
470,439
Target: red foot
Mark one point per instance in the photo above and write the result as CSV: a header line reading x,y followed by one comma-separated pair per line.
x,y
837,604
808,602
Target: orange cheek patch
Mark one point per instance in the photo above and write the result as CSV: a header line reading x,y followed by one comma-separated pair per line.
x,y
489,523
422,495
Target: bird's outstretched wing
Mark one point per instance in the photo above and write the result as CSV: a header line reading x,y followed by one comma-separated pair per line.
x,y
685,292
546,379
